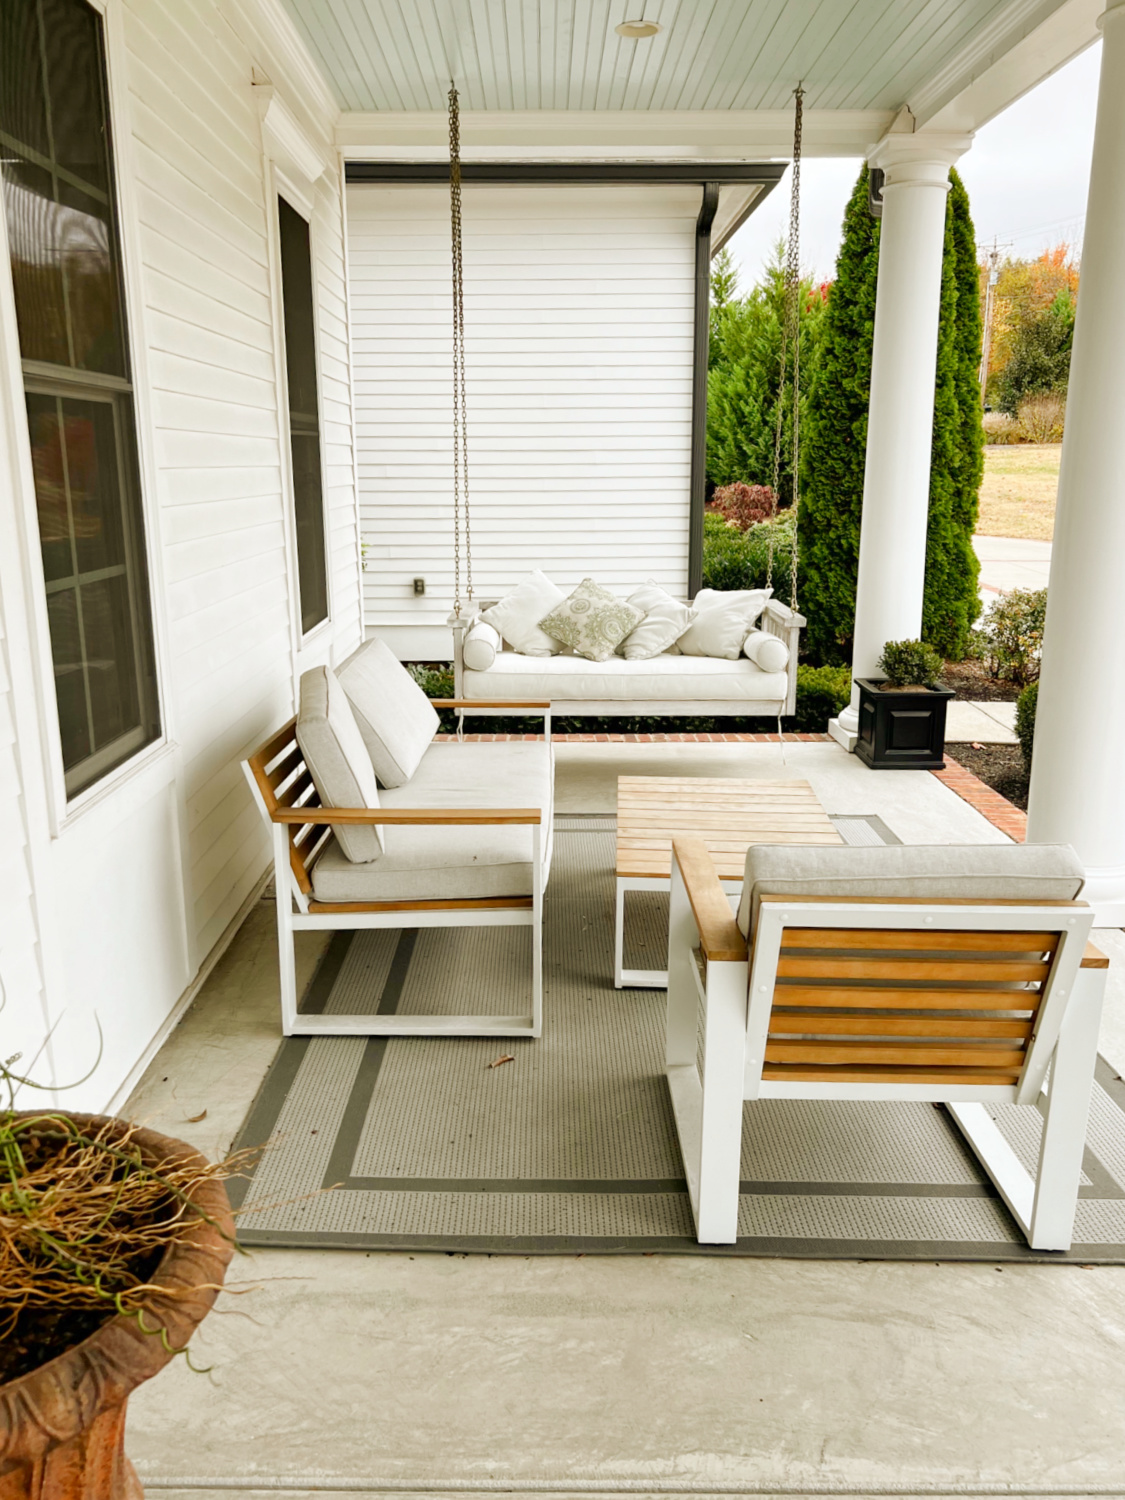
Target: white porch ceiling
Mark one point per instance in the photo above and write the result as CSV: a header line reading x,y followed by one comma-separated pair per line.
x,y
397,56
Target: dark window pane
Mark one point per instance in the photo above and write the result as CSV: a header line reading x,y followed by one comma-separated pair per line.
x,y
78,115
49,467
304,418
58,199
110,659
70,677
94,483
23,108
37,270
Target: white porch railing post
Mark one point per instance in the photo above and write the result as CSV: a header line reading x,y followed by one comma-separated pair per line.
x,y
1078,772
896,484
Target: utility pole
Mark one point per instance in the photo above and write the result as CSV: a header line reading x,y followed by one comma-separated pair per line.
x,y
989,310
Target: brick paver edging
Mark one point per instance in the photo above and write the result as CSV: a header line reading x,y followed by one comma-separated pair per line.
x,y
998,810
649,739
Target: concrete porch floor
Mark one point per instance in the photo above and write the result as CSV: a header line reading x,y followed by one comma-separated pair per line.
x,y
381,1373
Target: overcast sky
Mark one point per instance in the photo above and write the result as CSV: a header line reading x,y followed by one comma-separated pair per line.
x,y
1027,174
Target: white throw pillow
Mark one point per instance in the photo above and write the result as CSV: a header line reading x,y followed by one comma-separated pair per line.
x,y
725,620
517,616
396,720
665,620
481,645
766,651
337,760
592,622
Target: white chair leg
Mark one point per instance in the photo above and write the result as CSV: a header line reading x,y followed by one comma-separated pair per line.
x,y
537,933
724,1076
683,996
1068,1110
286,958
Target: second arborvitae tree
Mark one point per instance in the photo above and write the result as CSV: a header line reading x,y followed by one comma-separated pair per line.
x,y
835,440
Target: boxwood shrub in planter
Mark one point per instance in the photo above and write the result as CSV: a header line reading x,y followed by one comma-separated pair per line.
x,y
902,714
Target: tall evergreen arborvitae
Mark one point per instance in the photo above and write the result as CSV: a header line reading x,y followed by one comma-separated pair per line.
x,y
834,441
951,610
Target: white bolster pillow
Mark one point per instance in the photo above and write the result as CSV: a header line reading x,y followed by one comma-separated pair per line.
x,y
481,645
769,652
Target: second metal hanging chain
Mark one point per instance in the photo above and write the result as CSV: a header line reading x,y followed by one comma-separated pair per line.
x,y
460,405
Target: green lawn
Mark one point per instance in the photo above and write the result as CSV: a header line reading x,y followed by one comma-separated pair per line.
x,y
1017,494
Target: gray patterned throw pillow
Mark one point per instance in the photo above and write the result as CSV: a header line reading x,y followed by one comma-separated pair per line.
x,y
592,622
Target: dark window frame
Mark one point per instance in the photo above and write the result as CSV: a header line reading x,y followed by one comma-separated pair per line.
x,y
135,682
313,609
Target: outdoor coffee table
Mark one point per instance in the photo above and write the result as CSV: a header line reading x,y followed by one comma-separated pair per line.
x,y
728,814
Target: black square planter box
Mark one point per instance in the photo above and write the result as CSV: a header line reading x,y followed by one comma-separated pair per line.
x,y
901,728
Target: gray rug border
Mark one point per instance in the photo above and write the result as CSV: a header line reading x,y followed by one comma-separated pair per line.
x,y
274,1089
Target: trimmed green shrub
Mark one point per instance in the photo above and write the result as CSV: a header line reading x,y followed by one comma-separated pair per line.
x,y
822,694
735,559
835,440
910,664
1010,639
1026,705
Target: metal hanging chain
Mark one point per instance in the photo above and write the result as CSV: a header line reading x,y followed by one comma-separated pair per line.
x,y
460,405
790,339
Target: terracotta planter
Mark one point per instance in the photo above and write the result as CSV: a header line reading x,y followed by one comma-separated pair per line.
x,y
62,1426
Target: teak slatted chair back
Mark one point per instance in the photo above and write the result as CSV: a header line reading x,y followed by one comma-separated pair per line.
x,y
300,826
961,1002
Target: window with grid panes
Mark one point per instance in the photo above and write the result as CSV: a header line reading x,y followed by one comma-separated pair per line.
x,y
57,173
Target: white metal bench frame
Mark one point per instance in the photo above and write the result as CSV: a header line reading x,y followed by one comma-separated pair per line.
x,y
709,965
299,827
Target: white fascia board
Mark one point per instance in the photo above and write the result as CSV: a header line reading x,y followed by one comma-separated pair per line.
x,y
681,135
1029,41
737,202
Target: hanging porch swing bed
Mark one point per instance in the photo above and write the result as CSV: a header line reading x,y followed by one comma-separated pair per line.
x,y
725,654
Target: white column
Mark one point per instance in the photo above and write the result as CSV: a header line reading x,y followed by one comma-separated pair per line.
x,y
1078,774
896,481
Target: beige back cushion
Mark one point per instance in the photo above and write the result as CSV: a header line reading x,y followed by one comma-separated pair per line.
x,y
989,872
338,763
395,718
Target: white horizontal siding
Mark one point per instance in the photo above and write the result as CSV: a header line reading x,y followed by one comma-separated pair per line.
x,y
140,884
579,342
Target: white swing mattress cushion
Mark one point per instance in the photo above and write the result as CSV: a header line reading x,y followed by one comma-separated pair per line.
x,y
668,677
450,862
937,872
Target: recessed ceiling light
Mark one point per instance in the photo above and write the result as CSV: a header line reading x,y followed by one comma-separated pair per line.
x,y
636,31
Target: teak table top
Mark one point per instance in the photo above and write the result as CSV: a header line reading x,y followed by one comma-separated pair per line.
x,y
728,814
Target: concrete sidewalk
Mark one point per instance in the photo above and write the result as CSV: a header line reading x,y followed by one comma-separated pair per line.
x,y
985,723
1011,563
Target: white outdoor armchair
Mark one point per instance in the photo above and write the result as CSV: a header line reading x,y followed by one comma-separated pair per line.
x,y
948,974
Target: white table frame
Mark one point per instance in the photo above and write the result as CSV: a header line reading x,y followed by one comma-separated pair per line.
x,y
647,979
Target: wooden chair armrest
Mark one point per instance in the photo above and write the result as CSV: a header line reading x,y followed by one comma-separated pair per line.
x,y
719,937
408,815
491,703
1094,958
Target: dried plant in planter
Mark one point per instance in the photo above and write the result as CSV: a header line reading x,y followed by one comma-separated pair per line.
x,y
85,1221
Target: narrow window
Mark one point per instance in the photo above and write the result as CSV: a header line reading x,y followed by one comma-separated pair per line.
x,y
56,165
304,414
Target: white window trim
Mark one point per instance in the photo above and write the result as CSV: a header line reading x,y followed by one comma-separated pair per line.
x,y
62,811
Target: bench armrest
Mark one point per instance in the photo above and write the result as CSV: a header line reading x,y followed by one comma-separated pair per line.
x,y
719,938
408,815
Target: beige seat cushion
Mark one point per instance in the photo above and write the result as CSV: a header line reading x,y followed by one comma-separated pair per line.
x,y
452,862
990,872
338,763
663,678
395,718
